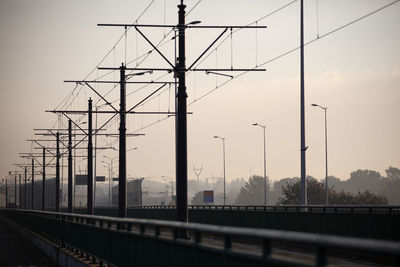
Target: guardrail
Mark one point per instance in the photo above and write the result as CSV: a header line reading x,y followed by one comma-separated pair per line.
x,y
282,208
127,242
372,221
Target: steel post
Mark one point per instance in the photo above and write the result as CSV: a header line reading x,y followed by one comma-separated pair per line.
x,y
44,180
57,172
90,163
303,147
265,169
15,190
6,194
20,193
33,184
122,147
69,166
326,160
25,189
181,129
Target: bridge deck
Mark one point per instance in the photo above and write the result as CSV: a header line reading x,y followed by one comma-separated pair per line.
x,y
16,251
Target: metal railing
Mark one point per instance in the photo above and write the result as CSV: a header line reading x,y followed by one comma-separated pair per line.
x,y
125,242
282,208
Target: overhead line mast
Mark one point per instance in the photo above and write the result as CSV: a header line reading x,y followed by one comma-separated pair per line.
x,y
181,121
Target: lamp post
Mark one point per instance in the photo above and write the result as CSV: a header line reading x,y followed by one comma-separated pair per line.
x,y
132,149
326,153
171,181
108,167
265,164
223,148
110,176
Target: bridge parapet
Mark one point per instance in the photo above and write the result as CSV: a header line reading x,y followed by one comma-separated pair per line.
x,y
143,242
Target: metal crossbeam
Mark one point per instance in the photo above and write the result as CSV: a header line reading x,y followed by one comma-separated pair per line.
x,y
117,82
186,26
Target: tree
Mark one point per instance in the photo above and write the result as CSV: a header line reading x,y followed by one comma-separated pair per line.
x,y
393,173
276,193
316,195
368,198
362,180
252,192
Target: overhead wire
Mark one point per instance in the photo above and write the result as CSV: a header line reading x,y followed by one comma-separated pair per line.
x,y
305,44
229,36
317,15
144,57
279,56
239,29
117,42
71,97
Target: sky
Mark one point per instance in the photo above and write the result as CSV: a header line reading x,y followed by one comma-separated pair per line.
x,y
355,72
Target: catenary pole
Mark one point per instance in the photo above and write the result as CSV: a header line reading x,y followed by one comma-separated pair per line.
x,y
90,163
122,147
181,146
33,184
20,192
15,190
25,188
57,172
69,166
6,194
44,180
302,112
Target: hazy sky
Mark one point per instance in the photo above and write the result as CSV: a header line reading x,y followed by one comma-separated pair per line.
x,y
355,72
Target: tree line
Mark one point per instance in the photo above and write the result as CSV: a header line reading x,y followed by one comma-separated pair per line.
x,y
364,187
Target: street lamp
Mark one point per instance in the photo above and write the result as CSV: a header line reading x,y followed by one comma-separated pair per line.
x,y
265,164
172,185
132,149
223,148
194,22
326,153
138,74
110,171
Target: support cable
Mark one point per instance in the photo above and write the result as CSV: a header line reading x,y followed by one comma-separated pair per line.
x,y
257,43
231,50
305,44
279,56
126,42
195,5
317,14
259,19
113,48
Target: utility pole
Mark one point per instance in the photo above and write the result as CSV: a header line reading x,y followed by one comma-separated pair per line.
x,y
90,163
181,145
302,112
326,154
265,163
95,163
15,190
6,194
20,195
25,191
265,170
181,109
33,184
69,166
57,172
44,181
122,146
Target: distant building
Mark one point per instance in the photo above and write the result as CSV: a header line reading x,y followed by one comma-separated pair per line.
x,y
133,193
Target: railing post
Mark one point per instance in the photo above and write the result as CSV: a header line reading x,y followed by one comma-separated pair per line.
x,y
266,250
321,257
